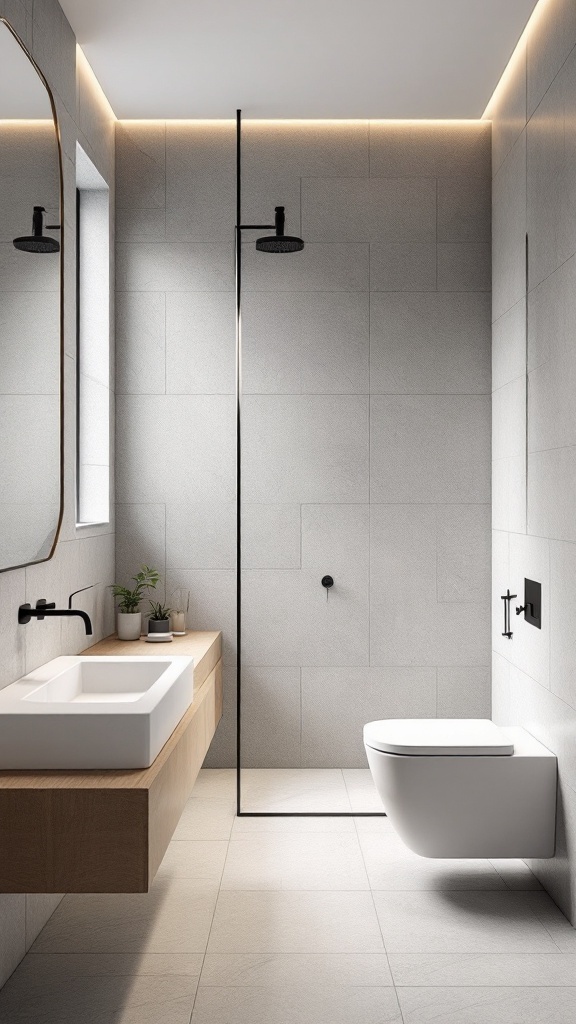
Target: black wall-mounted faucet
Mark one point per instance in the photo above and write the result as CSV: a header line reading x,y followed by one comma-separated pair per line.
x,y
44,610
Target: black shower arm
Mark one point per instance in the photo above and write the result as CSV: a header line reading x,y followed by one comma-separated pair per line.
x,y
255,227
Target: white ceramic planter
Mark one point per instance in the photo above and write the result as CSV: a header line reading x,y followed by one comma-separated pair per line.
x,y
129,625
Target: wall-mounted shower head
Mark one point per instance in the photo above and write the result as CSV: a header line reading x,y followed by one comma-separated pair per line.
x,y
38,241
279,242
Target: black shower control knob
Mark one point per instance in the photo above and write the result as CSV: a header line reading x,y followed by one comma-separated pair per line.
x,y
327,582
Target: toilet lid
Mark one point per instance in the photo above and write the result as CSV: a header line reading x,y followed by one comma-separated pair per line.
x,y
462,736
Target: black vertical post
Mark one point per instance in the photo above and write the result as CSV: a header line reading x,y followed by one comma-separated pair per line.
x,y
238,240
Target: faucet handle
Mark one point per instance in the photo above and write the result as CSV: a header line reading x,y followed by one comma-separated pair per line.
x,y
43,603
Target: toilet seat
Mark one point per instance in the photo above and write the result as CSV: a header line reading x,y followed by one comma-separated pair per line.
x,y
438,736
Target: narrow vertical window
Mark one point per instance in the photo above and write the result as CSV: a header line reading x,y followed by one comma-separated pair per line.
x,y
93,343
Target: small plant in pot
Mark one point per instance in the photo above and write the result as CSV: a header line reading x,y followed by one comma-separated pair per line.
x,y
129,618
159,621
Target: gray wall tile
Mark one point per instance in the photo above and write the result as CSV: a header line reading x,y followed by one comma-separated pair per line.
x,y
270,696
375,209
307,448
552,494
509,230
174,267
141,540
301,149
509,494
463,553
429,343
410,148
200,535
212,602
200,181
430,448
507,108
336,267
509,345
222,752
200,343
140,369
140,165
463,692
552,378
464,267
331,739
548,48
404,267
464,209
270,536
317,343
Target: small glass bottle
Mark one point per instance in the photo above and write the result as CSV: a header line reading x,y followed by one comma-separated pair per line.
x,y
179,604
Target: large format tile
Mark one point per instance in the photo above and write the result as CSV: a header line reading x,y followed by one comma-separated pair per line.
x,y
332,731
509,345
212,603
403,267
364,797
464,266
205,820
288,621
12,932
430,448
552,379
463,553
316,1004
318,344
151,437
485,1005
392,866
530,649
464,208
429,343
140,343
174,917
410,148
270,717
509,230
200,535
507,106
296,969
140,539
562,622
463,692
305,448
174,267
295,922
140,165
294,791
552,494
200,163
509,420
338,267
509,494
306,148
270,536
409,625
36,992
369,209
548,47
296,824
200,859
461,922
294,861
200,343
438,969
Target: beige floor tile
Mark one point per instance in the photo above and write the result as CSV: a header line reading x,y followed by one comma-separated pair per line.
x,y
294,824
174,917
307,1005
215,784
206,820
461,922
374,823
295,922
294,790
314,861
487,1005
31,997
517,875
361,790
73,965
198,859
553,920
473,969
391,865
295,969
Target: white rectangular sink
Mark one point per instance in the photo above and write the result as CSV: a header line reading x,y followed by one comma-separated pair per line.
x,y
93,712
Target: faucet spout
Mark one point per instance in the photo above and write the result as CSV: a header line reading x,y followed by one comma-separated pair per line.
x,y
44,610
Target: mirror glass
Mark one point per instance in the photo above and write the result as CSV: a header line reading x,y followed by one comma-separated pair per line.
x,y
30,311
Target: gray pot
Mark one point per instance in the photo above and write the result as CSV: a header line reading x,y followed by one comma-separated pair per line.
x,y
158,625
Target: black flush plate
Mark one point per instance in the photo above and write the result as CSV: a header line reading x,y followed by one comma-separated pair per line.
x,y
533,603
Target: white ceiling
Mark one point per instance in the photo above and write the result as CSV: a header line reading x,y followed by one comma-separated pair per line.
x,y
298,58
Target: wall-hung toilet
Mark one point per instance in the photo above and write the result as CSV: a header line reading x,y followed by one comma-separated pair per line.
x,y
464,787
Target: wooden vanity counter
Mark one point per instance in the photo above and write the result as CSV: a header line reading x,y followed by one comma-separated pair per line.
x,y
107,831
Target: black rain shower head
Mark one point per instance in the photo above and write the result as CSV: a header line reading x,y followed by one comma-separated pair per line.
x,y
279,242
38,241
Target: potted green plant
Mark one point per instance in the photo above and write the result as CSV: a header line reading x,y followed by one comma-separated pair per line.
x,y
159,621
129,618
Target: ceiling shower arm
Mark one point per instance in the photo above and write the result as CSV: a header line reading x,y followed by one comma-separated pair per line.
x,y
256,227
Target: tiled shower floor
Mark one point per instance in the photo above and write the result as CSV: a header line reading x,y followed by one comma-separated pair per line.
x,y
301,921
308,790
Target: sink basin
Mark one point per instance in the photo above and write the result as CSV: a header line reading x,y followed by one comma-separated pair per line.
x,y
93,712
